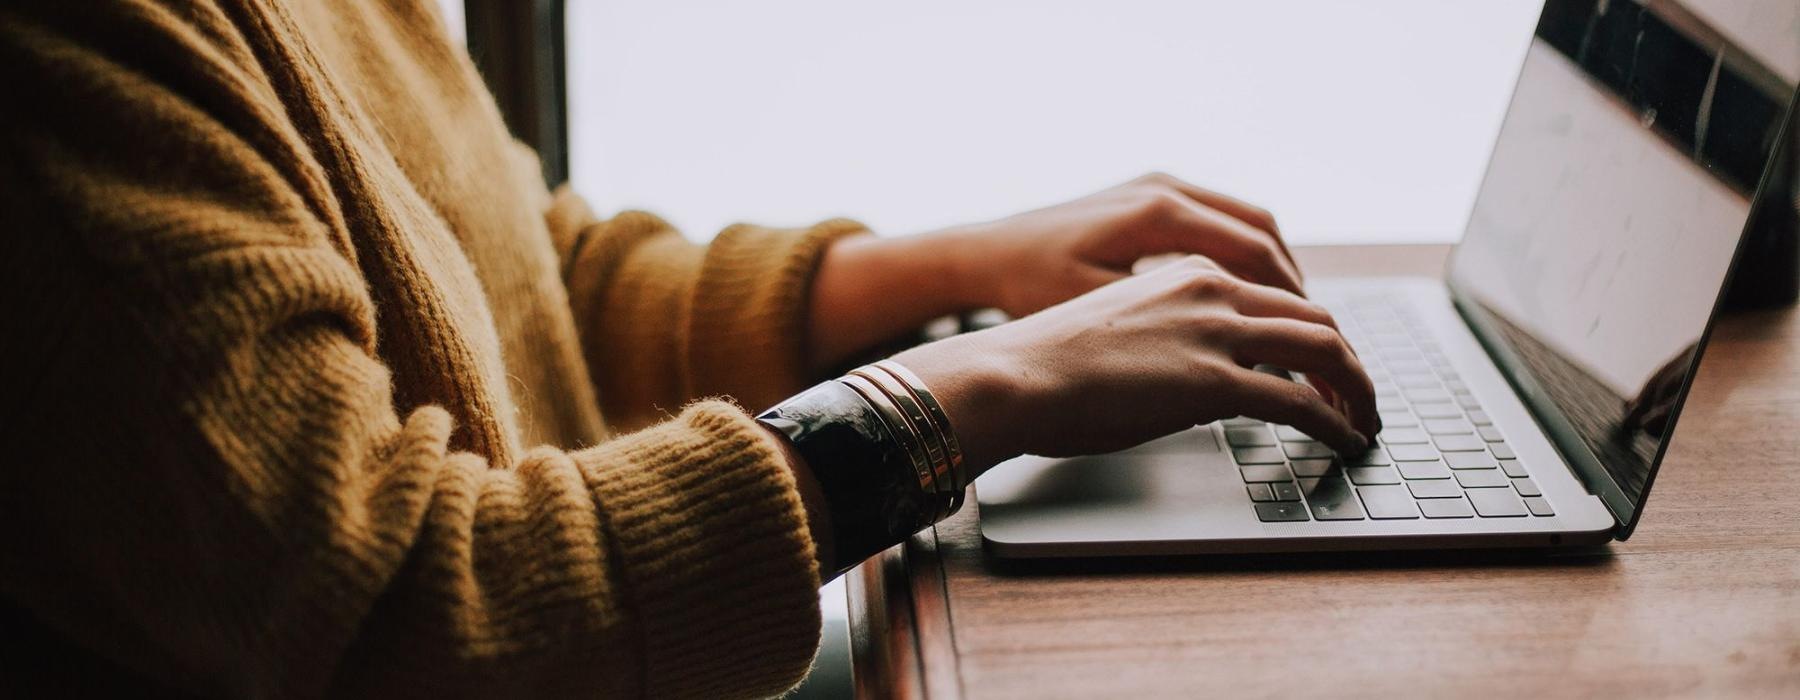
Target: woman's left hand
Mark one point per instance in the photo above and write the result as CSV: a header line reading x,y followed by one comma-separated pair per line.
x,y
1024,263
871,289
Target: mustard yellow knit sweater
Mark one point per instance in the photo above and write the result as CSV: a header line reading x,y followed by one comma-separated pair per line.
x,y
308,380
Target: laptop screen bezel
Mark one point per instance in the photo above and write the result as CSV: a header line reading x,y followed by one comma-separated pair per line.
x,y
1575,452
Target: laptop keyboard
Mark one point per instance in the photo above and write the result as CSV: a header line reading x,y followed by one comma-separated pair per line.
x,y
1438,455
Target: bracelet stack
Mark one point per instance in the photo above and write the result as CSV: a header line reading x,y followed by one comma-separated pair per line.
x,y
883,450
918,421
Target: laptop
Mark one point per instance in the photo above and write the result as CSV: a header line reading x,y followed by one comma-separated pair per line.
x,y
1528,396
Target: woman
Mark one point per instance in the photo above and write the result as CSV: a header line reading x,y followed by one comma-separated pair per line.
x,y
317,391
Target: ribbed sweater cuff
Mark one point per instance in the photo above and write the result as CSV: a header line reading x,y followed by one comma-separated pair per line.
x,y
715,553
749,324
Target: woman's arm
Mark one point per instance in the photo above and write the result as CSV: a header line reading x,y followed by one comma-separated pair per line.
x,y
870,290
209,476
664,320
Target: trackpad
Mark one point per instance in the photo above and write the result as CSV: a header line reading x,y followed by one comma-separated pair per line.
x,y
1168,469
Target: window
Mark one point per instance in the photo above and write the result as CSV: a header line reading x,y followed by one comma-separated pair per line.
x,y
1356,122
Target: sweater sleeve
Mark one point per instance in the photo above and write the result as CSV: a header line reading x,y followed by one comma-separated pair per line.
x,y
729,317
209,479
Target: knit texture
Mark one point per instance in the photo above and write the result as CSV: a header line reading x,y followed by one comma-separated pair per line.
x,y
310,381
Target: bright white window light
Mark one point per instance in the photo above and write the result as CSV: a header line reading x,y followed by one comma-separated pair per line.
x,y
1355,122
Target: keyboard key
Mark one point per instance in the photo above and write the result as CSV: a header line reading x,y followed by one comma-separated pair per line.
x,y
1446,508
1310,467
1254,473
1467,401
1424,470
1491,434
1403,362
1477,478
1306,450
1406,363
1443,488
1456,386
1372,475
1480,418
1281,512
1332,499
1375,457
1259,455
1502,450
1427,395
1398,419
1289,434
1437,410
1249,437
1539,506
1413,453
1260,493
1285,491
1469,460
1419,381
1496,503
1513,468
1459,443
1404,436
1526,487
1390,403
1448,426
1388,503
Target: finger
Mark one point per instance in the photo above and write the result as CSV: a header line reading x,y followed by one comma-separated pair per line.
x,y
1241,210
1278,400
1233,244
1320,353
1269,302
1256,300
1152,263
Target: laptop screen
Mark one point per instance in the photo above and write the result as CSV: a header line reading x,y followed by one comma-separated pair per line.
x,y
1611,211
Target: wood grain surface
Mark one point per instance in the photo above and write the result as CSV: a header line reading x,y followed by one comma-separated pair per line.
x,y
1703,601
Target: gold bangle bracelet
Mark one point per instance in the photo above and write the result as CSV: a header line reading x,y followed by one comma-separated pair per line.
x,y
939,500
910,391
922,424
932,408
958,479
897,424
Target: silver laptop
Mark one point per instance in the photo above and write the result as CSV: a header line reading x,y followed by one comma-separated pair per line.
x,y
1526,399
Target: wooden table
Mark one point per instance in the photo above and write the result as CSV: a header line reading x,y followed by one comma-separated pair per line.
x,y
1703,601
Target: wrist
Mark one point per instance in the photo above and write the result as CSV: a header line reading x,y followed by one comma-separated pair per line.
x,y
965,264
870,290
866,460
978,390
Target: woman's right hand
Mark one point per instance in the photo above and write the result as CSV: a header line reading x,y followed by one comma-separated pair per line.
x,y
1144,357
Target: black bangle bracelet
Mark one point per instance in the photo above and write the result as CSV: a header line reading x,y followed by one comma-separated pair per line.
x,y
870,484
